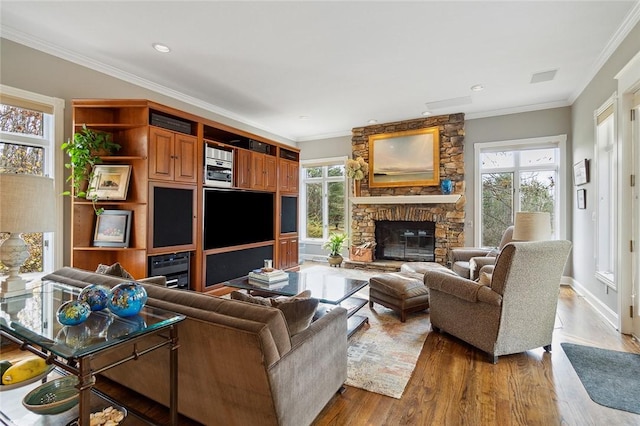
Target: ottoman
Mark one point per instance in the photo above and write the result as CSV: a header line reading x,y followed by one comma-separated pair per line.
x,y
401,291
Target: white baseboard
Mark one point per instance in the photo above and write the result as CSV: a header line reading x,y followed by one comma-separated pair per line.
x,y
603,310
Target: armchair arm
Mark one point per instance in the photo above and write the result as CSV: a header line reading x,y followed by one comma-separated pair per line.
x,y
477,263
466,253
461,288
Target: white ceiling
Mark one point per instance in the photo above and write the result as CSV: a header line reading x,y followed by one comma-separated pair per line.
x,y
338,63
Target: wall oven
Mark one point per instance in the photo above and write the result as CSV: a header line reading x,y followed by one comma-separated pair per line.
x,y
218,167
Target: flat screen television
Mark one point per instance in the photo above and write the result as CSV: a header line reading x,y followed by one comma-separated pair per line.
x,y
233,217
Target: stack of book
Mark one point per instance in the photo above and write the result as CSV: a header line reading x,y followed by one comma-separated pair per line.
x,y
267,277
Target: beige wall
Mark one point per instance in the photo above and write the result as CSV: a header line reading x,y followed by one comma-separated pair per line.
x,y
601,87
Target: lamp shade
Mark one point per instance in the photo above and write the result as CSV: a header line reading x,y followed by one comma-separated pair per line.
x,y
532,226
27,203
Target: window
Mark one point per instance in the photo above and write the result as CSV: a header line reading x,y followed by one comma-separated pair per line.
x,y
29,125
605,180
516,176
323,198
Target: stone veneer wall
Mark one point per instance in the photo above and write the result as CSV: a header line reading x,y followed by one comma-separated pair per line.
x,y
448,217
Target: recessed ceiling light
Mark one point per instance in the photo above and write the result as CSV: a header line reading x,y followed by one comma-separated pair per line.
x,y
372,121
162,48
303,117
426,113
477,87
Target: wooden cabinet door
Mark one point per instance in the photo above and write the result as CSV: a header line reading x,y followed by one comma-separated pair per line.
x,y
270,173
293,176
161,161
185,158
243,169
288,180
258,178
288,253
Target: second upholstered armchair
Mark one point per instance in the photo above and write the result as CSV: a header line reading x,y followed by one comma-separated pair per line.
x,y
514,311
467,261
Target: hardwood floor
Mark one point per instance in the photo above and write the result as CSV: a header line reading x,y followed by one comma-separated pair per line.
x,y
453,384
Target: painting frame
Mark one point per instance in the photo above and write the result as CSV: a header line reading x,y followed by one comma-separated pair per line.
x,y
406,158
582,198
581,172
109,182
113,228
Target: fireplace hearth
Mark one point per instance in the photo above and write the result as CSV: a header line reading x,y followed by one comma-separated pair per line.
x,y
405,240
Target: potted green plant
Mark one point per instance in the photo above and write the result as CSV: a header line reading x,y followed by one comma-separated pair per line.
x,y
334,244
84,152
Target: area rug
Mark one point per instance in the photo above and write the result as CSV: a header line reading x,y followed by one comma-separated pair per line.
x,y
611,378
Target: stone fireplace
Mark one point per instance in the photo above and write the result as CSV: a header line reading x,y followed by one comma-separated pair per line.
x,y
418,204
403,240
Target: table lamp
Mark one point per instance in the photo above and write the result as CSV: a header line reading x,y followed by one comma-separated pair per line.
x,y
27,204
532,226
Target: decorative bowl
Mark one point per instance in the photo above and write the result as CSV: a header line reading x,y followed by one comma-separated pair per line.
x,y
73,312
127,299
53,397
96,296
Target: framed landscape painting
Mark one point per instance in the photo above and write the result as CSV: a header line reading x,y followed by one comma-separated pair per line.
x,y
109,182
113,228
409,158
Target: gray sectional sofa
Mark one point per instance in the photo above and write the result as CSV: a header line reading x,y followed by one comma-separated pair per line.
x,y
238,365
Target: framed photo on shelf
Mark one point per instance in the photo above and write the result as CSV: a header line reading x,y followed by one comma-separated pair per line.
x,y
109,182
113,228
581,172
582,198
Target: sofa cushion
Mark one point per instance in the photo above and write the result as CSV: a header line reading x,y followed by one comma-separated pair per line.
x,y
115,270
298,310
237,295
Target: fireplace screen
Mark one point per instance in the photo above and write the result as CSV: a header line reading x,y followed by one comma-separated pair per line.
x,y
405,240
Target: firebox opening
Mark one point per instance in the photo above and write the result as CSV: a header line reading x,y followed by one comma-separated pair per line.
x,y
405,240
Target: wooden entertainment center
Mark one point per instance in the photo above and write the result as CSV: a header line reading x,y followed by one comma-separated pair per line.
x,y
166,149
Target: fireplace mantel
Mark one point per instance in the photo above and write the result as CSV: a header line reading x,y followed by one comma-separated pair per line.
x,y
407,199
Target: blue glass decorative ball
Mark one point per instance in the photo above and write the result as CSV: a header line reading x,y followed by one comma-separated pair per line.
x,y
96,296
127,299
73,312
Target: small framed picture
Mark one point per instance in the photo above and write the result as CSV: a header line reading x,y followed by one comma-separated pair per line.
x,y
581,172
109,182
113,228
582,198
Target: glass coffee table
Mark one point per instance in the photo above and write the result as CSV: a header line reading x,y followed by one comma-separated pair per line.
x,y
30,321
330,289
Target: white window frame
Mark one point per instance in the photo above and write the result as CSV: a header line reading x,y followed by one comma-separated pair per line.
x,y
322,162
557,141
610,181
53,167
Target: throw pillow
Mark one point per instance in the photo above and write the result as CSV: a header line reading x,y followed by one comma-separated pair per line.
x,y
115,270
485,279
298,311
236,295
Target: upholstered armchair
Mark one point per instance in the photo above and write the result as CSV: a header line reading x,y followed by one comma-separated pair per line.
x,y
467,261
514,311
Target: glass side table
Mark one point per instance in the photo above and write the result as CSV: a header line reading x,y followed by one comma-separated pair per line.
x,y
30,321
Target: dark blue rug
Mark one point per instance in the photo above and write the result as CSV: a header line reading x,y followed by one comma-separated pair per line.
x,y
611,378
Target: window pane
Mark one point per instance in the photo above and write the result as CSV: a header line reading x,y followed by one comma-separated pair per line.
x,y
16,158
314,210
29,160
20,120
537,193
497,206
335,171
313,172
496,160
536,157
336,207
